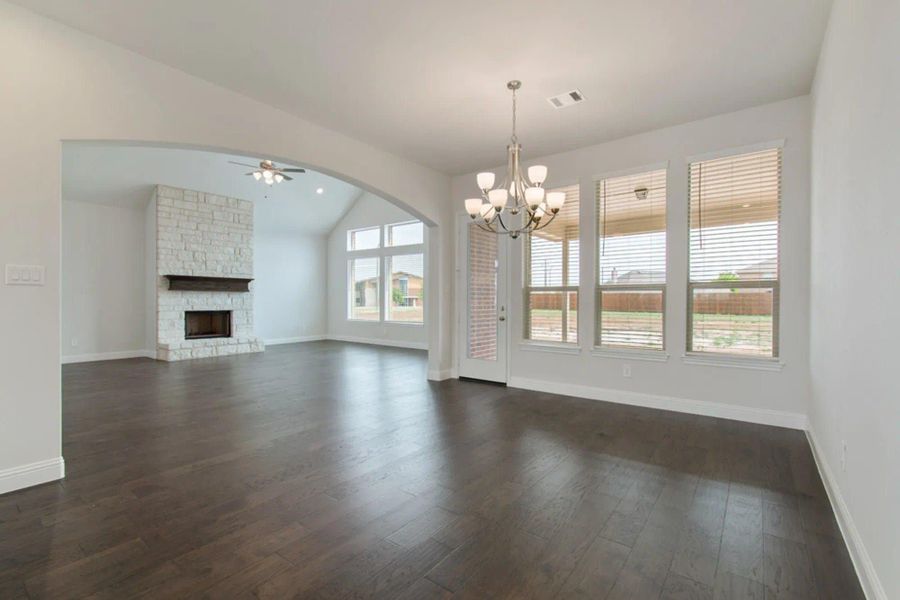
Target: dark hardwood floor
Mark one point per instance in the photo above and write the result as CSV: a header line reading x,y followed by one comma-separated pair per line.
x,y
331,470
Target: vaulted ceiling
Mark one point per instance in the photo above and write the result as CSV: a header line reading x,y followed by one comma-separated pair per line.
x,y
426,78
125,176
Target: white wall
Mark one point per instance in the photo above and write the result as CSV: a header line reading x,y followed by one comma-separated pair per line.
x,y
854,321
369,210
75,87
289,286
103,283
764,396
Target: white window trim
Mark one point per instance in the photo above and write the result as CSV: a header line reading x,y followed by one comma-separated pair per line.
x,y
384,234
633,171
383,253
630,353
551,347
710,359
612,351
349,233
748,149
723,359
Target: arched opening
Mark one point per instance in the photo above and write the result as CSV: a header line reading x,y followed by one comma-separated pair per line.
x,y
177,170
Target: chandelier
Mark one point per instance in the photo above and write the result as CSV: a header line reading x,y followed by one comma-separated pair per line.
x,y
519,204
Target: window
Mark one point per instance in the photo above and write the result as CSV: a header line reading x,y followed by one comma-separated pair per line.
x,y
735,206
631,245
363,239
551,276
364,284
386,283
404,234
407,289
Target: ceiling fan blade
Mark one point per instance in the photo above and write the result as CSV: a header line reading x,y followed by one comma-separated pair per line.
x,y
293,170
286,178
250,173
243,164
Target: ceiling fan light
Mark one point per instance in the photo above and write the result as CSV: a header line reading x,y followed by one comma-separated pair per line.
x,y
537,174
534,196
257,175
473,206
498,198
485,180
279,177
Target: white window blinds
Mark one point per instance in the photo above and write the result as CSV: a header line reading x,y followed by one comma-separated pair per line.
x,y
631,244
551,276
735,208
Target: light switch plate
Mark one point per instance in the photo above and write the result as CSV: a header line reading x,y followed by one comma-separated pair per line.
x,y
24,275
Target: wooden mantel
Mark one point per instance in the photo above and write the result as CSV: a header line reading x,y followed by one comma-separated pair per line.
x,y
199,283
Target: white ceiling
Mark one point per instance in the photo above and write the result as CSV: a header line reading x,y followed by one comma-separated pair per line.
x,y
125,176
426,78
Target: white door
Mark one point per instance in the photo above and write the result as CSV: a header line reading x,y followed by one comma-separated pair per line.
x,y
482,299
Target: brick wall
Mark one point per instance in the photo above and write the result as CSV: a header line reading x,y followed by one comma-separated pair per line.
x,y
482,298
203,234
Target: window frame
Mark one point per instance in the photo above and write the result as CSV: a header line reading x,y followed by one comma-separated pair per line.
x,y
350,233
701,357
564,289
383,253
598,347
386,234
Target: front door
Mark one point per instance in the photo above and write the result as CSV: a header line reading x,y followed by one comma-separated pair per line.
x,y
482,298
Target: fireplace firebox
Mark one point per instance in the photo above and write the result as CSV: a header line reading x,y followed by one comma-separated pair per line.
x,y
203,324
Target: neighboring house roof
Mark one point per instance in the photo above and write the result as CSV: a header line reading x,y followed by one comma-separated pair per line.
x,y
766,269
637,276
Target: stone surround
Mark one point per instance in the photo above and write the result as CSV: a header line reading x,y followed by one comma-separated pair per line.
x,y
202,234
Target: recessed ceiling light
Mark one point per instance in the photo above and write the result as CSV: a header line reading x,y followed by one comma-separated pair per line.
x,y
320,190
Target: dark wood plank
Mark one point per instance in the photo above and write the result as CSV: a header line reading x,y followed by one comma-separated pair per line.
x,y
333,470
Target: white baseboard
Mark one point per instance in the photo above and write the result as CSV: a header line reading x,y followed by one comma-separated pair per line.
x,y
36,473
294,340
378,342
865,570
80,358
441,375
761,416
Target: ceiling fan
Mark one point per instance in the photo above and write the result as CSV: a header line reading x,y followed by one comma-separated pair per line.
x,y
268,172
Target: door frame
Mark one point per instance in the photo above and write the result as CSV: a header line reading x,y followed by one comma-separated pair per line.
x,y
463,221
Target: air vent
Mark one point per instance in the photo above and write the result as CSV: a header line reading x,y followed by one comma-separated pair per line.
x,y
567,99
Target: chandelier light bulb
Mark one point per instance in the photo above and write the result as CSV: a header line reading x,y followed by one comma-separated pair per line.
x,y
537,174
539,213
257,175
534,196
473,206
555,200
498,198
485,180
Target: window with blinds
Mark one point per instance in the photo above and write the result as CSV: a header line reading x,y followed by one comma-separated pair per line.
x,y
631,246
551,276
735,207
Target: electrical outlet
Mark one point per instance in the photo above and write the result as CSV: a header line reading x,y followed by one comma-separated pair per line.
x,y
843,455
626,370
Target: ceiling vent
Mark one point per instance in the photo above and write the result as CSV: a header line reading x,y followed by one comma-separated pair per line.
x,y
567,99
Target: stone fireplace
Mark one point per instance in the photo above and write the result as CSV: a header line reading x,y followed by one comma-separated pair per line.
x,y
204,263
